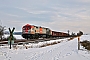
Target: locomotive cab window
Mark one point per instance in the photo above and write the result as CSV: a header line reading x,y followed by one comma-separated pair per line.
x,y
26,27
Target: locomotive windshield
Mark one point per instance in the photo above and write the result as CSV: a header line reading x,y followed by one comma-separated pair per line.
x,y
26,27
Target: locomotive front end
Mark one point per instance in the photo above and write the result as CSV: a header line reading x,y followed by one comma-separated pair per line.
x,y
26,31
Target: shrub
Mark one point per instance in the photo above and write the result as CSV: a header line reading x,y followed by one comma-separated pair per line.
x,y
86,44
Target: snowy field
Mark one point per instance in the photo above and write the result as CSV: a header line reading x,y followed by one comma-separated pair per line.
x,y
16,36
66,50
85,37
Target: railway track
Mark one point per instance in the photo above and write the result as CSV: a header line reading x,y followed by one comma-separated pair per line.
x,y
21,41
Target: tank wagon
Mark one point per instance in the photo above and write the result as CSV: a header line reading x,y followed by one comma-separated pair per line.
x,y
35,32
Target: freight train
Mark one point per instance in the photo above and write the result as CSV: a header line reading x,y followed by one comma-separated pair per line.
x,y
35,32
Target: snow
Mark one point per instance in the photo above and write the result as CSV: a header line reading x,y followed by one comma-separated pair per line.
x,y
66,50
16,36
85,37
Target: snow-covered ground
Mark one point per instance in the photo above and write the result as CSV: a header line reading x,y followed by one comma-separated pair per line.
x,y
85,37
16,36
66,50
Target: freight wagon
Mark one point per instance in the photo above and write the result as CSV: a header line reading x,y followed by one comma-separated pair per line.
x,y
59,34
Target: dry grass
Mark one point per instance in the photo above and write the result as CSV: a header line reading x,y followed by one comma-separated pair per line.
x,y
86,44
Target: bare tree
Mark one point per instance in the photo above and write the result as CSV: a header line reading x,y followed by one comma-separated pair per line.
x,y
1,31
68,32
79,33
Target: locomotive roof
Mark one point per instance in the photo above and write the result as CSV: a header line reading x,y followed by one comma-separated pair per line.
x,y
37,26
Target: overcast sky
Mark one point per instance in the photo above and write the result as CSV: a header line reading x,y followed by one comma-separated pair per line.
x,y
59,15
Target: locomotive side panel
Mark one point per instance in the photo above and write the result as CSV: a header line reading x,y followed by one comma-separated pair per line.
x,y
40,31
32,29
37,29
48,31
44,31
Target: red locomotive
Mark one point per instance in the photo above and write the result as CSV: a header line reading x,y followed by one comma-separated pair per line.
x,y
33,32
